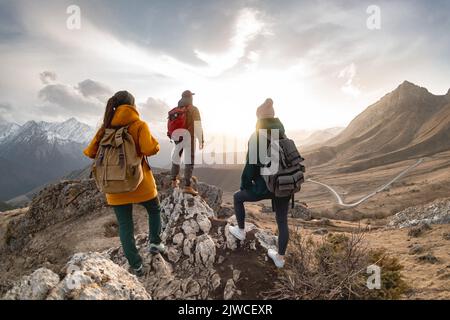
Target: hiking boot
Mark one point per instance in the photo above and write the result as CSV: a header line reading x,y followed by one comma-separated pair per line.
x,y
237,232
190,190
277,259
139,272
156,248
175,183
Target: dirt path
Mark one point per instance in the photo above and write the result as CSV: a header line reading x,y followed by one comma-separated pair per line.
x,y
380,189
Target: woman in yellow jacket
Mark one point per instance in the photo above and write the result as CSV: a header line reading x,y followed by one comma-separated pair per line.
x,y
120,112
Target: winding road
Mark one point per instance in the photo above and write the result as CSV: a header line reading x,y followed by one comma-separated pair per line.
x,y
351,205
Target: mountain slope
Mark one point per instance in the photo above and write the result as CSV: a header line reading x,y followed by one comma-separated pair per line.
x,y
321,136
39,152
7,129
409,122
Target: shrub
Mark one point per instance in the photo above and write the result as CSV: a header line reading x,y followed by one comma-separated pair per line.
x,y
335,269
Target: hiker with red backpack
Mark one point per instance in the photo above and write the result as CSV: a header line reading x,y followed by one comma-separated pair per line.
x,y
121,171
185,129
277,179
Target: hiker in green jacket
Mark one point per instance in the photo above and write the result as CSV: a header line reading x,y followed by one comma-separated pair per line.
x,y
253,187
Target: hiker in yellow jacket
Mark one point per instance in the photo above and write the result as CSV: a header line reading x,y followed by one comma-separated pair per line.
x,y
121,112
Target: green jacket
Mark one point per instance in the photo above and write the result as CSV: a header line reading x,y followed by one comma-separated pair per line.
x,y
251,179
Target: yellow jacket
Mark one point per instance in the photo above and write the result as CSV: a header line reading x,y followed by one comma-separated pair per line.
x,y
146,145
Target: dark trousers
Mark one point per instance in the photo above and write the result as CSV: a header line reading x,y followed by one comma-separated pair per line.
x,y
124,214
188,168
281,206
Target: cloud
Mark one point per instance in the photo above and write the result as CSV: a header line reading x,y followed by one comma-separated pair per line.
x,y
91,88
47,77
349,73
154,110
244,47
4,107
86,99
248,26
5,110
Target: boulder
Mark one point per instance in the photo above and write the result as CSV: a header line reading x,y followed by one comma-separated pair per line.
x,y
88,276
33,287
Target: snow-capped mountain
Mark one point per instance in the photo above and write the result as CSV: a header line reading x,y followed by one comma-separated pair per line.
x,y
39,152
62,132
70,130
8,129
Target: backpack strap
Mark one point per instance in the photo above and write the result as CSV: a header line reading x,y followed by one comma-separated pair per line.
x,y
293,201
122,156
118,137
101,156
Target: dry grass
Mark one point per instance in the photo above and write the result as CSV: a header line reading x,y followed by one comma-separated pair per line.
x,y
335,269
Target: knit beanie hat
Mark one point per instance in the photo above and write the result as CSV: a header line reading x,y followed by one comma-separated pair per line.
x,y
266,110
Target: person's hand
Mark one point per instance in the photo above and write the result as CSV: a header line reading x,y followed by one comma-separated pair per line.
x,y
202,146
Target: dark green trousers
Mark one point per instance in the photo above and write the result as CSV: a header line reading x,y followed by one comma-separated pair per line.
x,y
124,214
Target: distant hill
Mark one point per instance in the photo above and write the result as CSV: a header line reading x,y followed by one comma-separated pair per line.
x,y
320,136
4,206
409,122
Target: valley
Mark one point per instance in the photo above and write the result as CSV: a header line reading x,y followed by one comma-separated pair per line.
x,y
388,184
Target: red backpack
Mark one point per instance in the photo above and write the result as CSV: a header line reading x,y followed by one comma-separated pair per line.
x,y
177,120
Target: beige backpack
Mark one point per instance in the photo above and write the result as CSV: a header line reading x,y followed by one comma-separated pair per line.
x,y
117,167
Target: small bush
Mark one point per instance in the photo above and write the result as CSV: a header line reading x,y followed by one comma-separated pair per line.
x,y
417,231
335,269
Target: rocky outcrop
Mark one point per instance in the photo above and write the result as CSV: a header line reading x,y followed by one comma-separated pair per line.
x,y
211,194
54,204
202,261
34,287
300,212
195,265
88,276
75,198
437,212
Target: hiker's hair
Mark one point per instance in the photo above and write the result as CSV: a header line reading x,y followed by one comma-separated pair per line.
x,y
120,98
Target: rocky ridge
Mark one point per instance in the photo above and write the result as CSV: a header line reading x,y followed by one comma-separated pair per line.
x,y
436,212
202,261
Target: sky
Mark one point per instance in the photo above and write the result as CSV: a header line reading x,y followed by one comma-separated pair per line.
x,y
319,61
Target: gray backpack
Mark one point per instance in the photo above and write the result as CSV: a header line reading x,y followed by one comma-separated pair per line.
x,y
288,179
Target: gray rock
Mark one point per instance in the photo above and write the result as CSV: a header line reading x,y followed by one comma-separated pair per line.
x,y
178,239
211,194
300,212
320,231
89,276
205,251
204,223
437,212
190,227
230,290
215,281
416,249
33,287
92,276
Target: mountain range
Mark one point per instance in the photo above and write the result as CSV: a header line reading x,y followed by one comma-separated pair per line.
x,y
409,122
38,152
